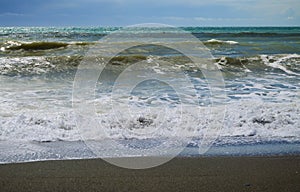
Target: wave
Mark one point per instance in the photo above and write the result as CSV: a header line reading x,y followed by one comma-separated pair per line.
x,y
30,46
219,42
283,63
288,63
12,66
45,45
276,62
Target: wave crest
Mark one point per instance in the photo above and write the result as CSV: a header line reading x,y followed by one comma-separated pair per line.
x,y
288,63
219,42
38,45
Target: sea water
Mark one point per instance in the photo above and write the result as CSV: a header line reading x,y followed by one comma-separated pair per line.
x,y
260,67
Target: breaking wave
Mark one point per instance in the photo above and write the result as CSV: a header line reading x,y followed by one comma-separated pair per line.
x,y
30,46
219,42
283,63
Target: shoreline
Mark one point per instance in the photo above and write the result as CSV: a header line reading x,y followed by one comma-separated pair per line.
x,y
222,173
23,152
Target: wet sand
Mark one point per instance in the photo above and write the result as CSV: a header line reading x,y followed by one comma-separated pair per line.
x,y
278,173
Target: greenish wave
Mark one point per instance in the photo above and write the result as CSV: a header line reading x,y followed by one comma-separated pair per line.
x,y
288,63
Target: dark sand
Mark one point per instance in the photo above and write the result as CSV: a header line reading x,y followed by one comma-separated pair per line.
x,y
274,174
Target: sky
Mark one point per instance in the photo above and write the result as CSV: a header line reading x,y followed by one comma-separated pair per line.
x,y
129,12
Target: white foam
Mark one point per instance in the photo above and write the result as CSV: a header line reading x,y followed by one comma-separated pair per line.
x,y
39,127
27,65
258,119
221,41
25,136
249,118
278,60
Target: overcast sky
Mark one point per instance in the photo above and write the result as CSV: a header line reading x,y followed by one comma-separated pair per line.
x,y
128,12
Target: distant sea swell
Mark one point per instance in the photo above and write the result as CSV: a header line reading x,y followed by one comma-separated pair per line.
x,y
31,46
62,48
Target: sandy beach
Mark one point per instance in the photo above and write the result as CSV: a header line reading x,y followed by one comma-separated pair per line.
x,y
278,173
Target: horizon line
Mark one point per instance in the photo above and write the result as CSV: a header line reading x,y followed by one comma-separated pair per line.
x,y
92,26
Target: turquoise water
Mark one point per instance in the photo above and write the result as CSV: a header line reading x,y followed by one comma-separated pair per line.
x,y
107,30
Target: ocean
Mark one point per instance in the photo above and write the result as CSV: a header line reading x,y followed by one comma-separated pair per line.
x,y
39,120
